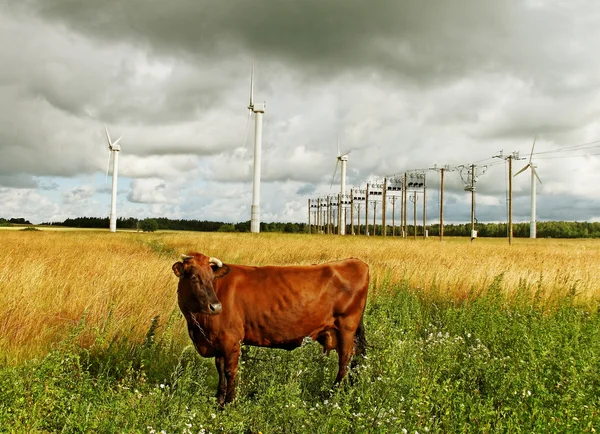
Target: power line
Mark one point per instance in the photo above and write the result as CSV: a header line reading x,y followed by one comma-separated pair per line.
x,y
566,156
588,145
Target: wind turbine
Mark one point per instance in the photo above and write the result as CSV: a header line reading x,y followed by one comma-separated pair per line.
x,y
530,165
258,110
343,159
113,148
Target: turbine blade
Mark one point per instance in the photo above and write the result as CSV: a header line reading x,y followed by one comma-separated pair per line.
x,y
533,146
117,141
334,172
346,153
535,173
522,170
247,128
252,86
107,136
108,166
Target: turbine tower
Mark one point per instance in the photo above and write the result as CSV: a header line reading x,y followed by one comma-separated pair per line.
x,y
258,110
343,159
530,165
113,148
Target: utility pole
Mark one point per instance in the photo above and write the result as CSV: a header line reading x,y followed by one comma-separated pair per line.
x,y
358,214
393,201
442,171
424,206
309,211
469,175
324,218
329,207
325,215
335,212
345,217
510,227
352,211
392,184
473,202
376,189
509,158
442,203
340,231
318,215
383,208
374,217
414,201
367,211
404,209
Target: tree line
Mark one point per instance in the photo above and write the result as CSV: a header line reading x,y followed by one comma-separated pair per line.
x,y
177,225
14,221
549,229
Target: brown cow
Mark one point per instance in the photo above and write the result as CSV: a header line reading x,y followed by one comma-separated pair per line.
x,y
229,305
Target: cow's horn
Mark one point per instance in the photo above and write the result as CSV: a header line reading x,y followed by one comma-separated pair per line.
x,y
186,257
215,261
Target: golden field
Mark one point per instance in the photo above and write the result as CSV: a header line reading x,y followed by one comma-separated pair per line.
x,y
50,279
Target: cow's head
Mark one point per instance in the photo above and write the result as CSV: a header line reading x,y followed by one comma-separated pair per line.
x,y
197,274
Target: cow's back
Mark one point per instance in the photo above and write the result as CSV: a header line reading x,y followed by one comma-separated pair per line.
x,y
279,306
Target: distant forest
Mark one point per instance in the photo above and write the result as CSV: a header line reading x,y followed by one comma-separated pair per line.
x,y
179,225
551,229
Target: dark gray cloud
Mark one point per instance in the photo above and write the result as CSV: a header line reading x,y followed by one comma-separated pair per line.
x,y
437,40
405,85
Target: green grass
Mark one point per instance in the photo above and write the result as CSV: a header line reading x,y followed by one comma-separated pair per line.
x,y
479,366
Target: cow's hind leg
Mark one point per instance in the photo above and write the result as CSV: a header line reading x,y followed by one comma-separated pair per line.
x,y
344,349
222,388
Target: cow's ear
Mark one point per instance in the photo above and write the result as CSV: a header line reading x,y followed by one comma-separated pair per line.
x,y
178,269
220,271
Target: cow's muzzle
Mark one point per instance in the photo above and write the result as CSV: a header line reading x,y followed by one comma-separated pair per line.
x,y
214,308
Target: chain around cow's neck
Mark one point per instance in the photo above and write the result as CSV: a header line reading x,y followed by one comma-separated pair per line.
x,y
201,329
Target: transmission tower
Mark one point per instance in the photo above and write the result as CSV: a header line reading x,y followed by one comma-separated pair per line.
x,y
469,175
394,185
509,158
442,171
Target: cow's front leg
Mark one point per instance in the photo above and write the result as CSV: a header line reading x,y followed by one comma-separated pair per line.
x,y
231,367
222,388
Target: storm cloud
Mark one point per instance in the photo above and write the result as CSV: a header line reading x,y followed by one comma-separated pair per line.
x,y
403,85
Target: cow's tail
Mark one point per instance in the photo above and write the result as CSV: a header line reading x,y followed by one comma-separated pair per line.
x,y
360,342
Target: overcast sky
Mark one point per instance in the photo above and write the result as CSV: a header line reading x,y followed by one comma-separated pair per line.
x,y
404,84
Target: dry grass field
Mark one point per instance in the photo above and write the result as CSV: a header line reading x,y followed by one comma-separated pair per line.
x,y
49,280
463,337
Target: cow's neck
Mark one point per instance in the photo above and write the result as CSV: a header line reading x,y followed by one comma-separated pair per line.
x,y
195,324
